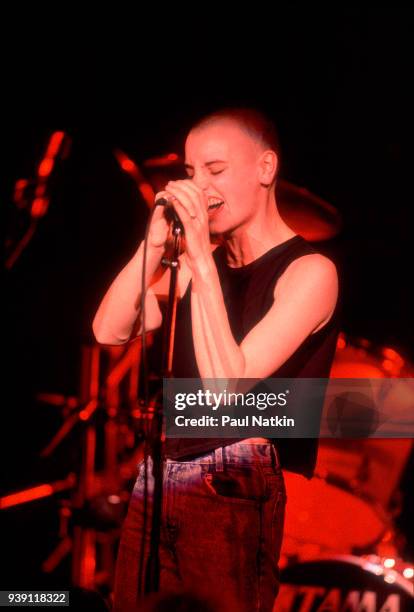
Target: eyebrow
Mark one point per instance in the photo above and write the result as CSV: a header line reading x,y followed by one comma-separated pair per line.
x,y
208,164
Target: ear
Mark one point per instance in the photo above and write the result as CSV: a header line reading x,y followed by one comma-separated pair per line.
x,y
268,163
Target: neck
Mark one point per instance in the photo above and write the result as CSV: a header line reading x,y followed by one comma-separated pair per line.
x,y
265,230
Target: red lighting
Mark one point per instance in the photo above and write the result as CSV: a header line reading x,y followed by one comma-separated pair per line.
x,y
45,167
39,207
147,193
127,165
26,496
55,143
388,536
163,161
388,365
89,563
341,344
40,190
89,409
44,490
21,184
19,192
392,355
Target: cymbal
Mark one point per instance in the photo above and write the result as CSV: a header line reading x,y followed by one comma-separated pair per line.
x,y
304,212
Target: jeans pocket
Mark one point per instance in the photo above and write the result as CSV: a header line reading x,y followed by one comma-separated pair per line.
x,y
243,485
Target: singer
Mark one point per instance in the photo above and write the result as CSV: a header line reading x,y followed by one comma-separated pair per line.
x,y
262,304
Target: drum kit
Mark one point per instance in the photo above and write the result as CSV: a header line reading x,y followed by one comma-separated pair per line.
x,y
341,548
342,583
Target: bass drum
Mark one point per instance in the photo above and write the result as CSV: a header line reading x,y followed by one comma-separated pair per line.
x,y
343,584
348,506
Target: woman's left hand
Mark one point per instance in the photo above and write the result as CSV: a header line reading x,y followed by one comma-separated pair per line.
x,y
190,203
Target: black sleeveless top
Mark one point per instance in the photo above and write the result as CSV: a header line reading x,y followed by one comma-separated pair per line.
x,y
248,295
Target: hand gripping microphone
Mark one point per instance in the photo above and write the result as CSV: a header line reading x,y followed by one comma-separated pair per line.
x,y
169,213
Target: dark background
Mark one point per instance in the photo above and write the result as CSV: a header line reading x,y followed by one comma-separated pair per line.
x,y
338,86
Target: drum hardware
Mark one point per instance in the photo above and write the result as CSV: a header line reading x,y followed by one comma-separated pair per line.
x,y
344,582
355,478
107,418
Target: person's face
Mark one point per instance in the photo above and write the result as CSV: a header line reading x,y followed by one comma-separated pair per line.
x,y
223,161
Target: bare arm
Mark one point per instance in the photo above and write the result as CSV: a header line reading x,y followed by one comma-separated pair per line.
x,y
304,300
118,315
118,318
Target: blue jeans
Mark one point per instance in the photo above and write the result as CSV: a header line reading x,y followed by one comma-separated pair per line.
x,y
222,525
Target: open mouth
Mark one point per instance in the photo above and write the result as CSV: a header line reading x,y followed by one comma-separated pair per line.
x,y
215,205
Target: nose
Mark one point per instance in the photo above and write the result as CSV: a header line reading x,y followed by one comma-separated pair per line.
x,y
201,179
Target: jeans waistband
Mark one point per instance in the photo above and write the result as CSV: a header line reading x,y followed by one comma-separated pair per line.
x,y
240,453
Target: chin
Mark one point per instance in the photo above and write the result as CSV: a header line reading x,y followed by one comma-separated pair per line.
x,y
219,228
216,232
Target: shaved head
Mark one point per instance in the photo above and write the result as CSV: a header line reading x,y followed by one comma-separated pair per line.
x,y
254,123
231,158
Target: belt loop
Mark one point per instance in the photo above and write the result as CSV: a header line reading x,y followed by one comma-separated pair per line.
x,y
218,452
275,456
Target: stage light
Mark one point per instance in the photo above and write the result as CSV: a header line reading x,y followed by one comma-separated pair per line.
x,y
127,165
45,167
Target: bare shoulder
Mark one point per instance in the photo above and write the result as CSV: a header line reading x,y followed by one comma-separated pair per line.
x,y
309,283
309,270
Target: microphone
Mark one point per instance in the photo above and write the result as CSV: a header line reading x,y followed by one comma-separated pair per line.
x,y
169,213
162,202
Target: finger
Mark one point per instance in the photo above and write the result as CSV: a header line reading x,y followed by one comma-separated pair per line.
x,y
159,211
192,225
184,215
160,196
191,185
197,196
184,198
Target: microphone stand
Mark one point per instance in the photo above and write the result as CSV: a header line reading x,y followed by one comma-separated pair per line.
x,y
155,442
